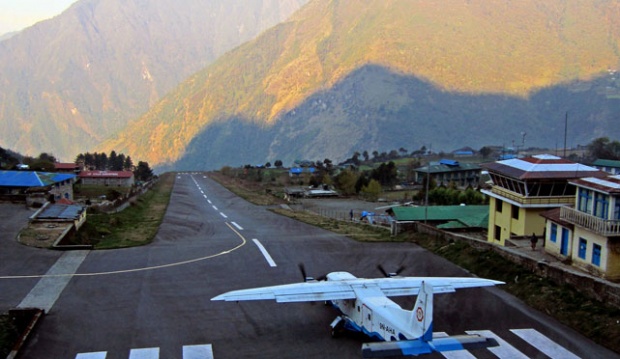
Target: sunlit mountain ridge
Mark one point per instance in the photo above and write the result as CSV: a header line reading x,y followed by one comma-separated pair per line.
x,y
502,49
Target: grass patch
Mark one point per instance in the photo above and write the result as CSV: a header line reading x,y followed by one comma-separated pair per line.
x,y
254,192
358,231
134,226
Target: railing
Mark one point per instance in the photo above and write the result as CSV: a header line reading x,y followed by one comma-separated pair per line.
x,y
548,200
604,227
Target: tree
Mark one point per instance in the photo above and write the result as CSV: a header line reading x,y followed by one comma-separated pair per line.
x,y
143,172
485,151
345,182
603,148
128,164
268,165
366,156
372,191
278,163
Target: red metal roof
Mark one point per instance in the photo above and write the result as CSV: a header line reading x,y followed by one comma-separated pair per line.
x,y
106,174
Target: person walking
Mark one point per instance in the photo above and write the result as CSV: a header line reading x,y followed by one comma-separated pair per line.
x,y
534,241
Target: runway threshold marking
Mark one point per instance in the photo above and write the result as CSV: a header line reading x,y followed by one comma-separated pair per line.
x,y
504,350
265,253
144,353
143,269
544,344
454,354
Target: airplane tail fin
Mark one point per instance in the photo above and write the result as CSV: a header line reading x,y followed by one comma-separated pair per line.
x,y
421,320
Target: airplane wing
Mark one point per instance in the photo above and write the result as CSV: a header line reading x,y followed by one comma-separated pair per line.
x,y
344,289
418,347
297,292
403,286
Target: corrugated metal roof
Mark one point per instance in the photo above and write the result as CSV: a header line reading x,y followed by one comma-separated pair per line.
x,y
607,163
31,179
542,167
61,211
469,216
610,184
106,174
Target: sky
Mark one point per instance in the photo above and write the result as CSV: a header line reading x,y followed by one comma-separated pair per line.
x,y
16,15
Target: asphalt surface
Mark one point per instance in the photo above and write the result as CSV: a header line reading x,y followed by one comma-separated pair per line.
x,y
158,296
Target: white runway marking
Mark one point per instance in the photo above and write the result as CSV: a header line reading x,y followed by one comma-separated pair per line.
x,y
145,353
209,201
265,253
205,196
48,289
215,208
504,350
238,226
223,215
455,354
544,344
198,351
97,355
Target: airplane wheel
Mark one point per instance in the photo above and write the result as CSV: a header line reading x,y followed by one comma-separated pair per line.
x,y
337,330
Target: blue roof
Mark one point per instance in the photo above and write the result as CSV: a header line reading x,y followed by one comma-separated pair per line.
x,y
32,179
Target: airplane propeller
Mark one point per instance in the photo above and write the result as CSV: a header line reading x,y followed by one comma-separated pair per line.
x,y
390,274
302,269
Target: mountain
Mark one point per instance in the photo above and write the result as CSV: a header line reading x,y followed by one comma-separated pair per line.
x,y
347,75
71,81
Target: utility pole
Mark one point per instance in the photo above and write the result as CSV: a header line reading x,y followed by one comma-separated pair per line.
x,y
565,131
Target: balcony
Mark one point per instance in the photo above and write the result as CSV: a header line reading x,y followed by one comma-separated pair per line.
x,y
603,227
534,201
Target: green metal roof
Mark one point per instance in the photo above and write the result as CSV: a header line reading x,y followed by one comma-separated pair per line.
x,y
442,168
606,163
455,216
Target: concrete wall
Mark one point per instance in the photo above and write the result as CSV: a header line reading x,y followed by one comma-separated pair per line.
x,y
590,286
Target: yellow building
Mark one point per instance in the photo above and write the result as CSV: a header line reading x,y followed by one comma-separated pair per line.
x,y
523,188
588,233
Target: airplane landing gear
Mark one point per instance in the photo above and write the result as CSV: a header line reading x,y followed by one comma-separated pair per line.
x,y
337,327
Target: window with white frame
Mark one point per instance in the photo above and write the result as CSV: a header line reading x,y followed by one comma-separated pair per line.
x,y
601,205
585,201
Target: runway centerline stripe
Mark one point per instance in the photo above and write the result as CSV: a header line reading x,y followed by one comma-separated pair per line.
x,y
504,350
265,253
143,269
46,292
544,344
215,208
198,351
238,226
209,201
223,215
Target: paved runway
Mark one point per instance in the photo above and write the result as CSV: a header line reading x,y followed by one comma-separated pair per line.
x,y
154,301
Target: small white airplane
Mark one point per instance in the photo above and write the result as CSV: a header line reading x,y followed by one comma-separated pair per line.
x,y
365,307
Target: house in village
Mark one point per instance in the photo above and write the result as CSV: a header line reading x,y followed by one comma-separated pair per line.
x,y
446,171
609,166
588,232
107,178
30,185
67,168
523,188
